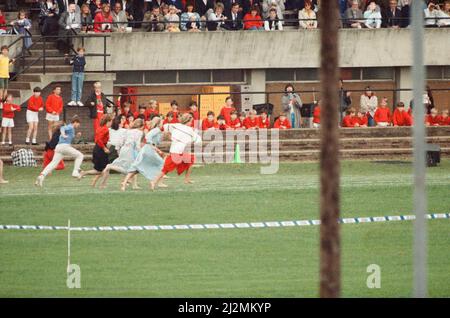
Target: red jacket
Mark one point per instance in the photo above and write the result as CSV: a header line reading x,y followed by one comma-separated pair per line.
x,y
348,121
362,121
9,110
433,121
282,124
54,103
235,124
206,124
99,19
2,22
264,123
444,121
34,104
102,136
401,118
149,112
316,115
256,23
382,115
226,113
223,127
251,123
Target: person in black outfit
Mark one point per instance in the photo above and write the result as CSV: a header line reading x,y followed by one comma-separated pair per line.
x,y
234,18
201,6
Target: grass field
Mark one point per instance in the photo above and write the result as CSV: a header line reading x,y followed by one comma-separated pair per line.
x,y
269,262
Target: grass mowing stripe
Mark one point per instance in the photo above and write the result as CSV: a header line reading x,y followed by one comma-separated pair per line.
x,y
240,225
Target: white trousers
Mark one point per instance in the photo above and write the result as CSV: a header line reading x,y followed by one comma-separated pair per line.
x,y
61,151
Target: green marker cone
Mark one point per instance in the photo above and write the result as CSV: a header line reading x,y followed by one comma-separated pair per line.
x,y
237,154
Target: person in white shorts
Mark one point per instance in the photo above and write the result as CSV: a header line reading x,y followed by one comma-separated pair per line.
x,y
64,149
53,107
9,110
35,105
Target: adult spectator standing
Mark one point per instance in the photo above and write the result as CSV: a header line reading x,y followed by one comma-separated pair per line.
x,y
119,18
269,4
354,16
234,18
345,100
291,103
372,16
368,105
392,16
103,20
215,18
48,17
307,17
69,23
98,105
154,20
189,16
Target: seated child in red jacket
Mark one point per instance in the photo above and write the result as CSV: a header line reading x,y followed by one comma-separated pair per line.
x,y
221,123
235,122
282,122
432,119
264,122
251,122
401,117
361,119
444,118
349,120
209,122
316,116
383,114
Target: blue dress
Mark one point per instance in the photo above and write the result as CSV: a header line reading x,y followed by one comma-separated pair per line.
x,y
148,162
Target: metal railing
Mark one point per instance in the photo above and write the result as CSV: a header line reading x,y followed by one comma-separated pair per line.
x,y
43,56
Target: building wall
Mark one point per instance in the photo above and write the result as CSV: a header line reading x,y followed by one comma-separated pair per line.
x,y
257,50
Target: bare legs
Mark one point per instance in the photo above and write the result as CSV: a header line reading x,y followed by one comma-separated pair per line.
x,y
7,131
32,132
50,129
95,173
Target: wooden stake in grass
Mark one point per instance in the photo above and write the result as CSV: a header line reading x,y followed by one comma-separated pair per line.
x,y
329,153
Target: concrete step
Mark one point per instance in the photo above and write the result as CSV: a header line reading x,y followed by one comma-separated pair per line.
x,y
49,61
49,52
28,78
19,85
40,46
49,69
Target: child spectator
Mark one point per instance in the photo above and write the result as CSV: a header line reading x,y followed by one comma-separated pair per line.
x,y
316,116
193,109
125,109
383,114
130,120
222,125
4,72
141,112
227,110
273,23
35,105
169,118
209,122
53,107
349,119
235,122
282,122
251,122
252,20
400,117
264,122
174,106
151,109
78,62
444,119
432,119
361,119
8,118
242,116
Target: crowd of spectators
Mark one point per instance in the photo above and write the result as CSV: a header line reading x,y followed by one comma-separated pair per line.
x,y
210,15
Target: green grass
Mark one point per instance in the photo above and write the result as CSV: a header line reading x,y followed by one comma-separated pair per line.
x,y
268,262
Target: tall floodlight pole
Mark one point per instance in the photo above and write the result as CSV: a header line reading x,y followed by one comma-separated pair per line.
x,y
330,284
420,200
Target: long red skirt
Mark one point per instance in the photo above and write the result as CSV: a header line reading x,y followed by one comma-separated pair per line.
x,y
48,157
181,162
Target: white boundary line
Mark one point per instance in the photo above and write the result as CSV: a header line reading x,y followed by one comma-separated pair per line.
x,y
240,225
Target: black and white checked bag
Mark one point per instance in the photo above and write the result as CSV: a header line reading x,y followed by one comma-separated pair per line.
x,y
23,158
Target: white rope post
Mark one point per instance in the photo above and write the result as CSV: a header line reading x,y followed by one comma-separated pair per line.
x,y
68,245
420,200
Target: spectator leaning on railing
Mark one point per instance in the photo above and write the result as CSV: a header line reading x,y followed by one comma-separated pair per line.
x,y
372,16
269,4
252,20
189,17
354,16
392,16
172,19
69,22
119,18
86,19
216,19
103,20
307,17
234,18
154,20
273,23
